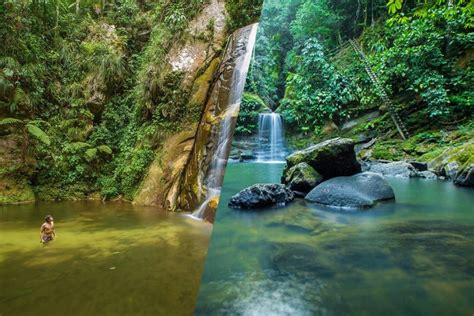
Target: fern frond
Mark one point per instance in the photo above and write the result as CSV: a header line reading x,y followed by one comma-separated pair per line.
x,y
90,154
104,149
38,133
10,121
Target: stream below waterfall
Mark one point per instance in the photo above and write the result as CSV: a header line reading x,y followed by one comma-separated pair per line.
x,y
412,257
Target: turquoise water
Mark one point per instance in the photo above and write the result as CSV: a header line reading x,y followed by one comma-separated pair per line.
x,y
108,259
412,257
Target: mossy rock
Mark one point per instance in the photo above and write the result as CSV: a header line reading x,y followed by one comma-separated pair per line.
x,y
302,178
202,84
331,158
456,163
15,190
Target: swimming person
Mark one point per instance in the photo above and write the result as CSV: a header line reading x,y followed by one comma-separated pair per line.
x,y
47,232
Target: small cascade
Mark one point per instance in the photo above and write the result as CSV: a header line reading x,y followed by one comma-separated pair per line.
x,y
215,174
271,140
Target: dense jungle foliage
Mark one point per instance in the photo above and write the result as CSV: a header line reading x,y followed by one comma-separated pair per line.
x,y
421,51
84,88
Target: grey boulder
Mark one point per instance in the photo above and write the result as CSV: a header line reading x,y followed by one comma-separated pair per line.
x,y
427,175
362,190
262,195
393,169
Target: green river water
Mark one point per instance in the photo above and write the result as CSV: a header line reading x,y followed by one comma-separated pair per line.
x,y
108,259
411,257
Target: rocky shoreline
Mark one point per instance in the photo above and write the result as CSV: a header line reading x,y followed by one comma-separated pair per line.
x,y
329,173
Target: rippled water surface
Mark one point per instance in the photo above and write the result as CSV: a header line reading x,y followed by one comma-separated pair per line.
x,y
412,257
108,259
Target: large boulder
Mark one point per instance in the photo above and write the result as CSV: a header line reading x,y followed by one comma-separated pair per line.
x,y
331,158
262,195
302,178
359,191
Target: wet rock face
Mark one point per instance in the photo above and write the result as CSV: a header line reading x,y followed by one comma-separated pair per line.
x,y
359,191
210,208
262,195
206,140
331,158
302,178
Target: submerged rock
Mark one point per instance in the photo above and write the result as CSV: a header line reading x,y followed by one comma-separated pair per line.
x,y
302,178
262,195
358,191
331,158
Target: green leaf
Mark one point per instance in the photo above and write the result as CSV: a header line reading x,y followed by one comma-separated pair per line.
x,y
105,149
8,72
10,121
90,154
79,145
38,133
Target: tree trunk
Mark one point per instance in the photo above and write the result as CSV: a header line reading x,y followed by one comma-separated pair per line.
x,y
356,20
78,6
448,32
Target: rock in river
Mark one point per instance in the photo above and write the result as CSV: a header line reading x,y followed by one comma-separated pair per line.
x,y
358,191
465,177
262,195
302,178
393,169
331,158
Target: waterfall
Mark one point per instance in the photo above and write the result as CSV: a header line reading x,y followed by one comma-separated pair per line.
x,y
215,174
271,141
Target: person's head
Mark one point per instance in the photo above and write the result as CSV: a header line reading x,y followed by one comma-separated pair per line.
x,y
48,218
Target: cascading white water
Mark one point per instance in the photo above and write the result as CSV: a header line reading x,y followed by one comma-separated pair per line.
x,y
271,141
215,175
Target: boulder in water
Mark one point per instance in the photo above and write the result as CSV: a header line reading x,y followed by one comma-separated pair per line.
x,y
359,191
262,195
302,178
465,177
451,170
331,158
393,169
248,155
427,175
419,166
